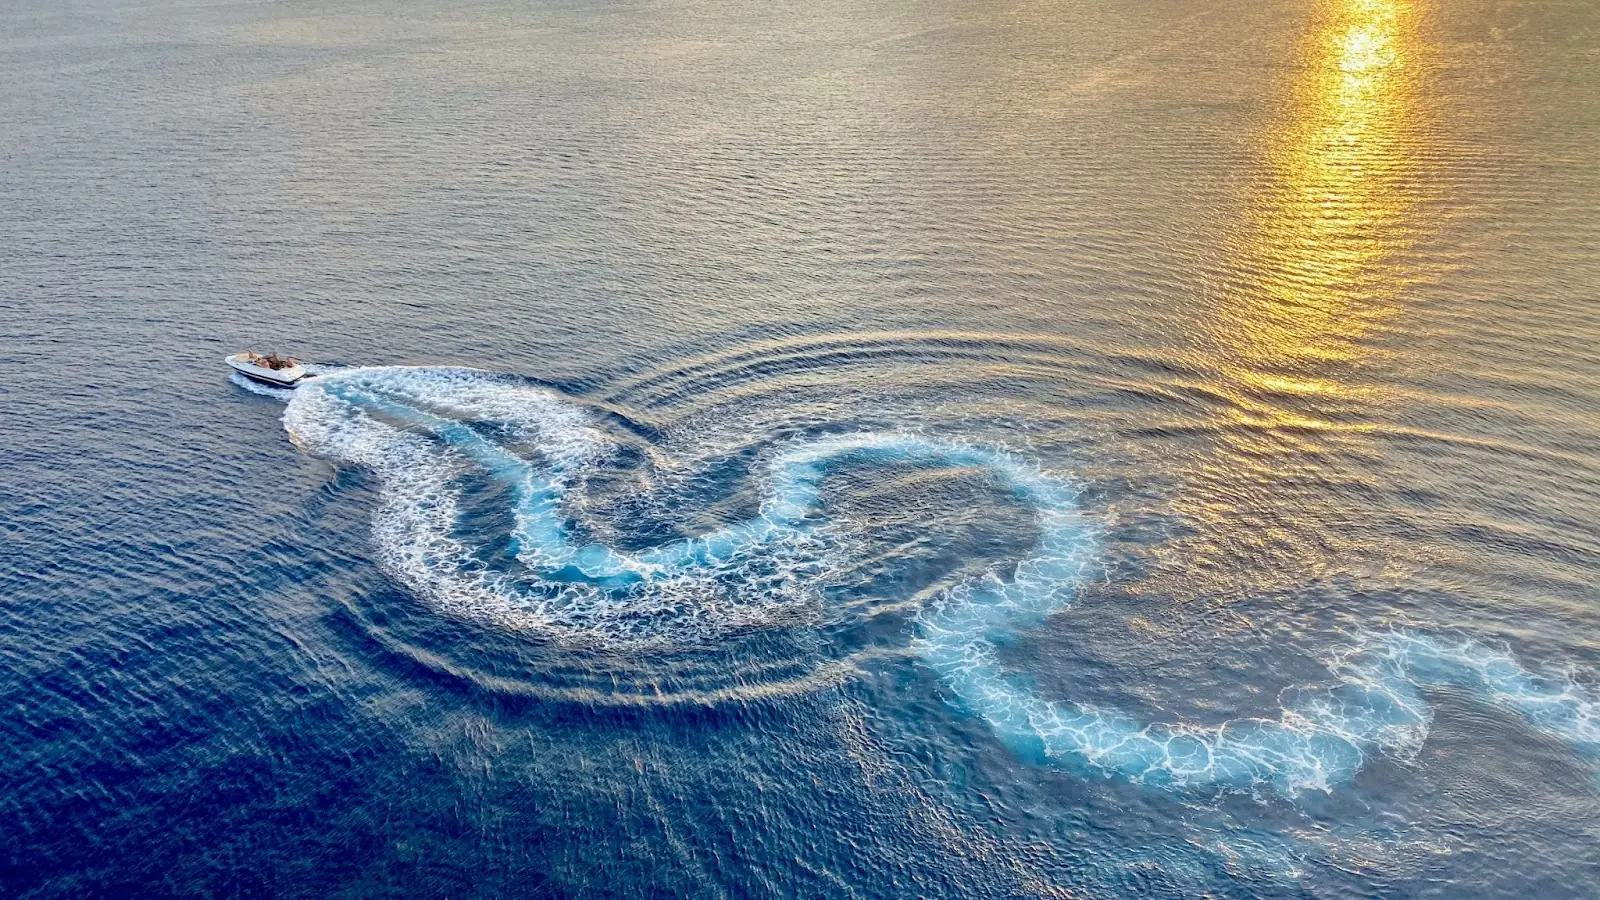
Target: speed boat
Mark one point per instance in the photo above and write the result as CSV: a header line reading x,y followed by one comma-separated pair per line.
x,y
278,371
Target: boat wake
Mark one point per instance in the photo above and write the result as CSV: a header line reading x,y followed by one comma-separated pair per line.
x,y
427,434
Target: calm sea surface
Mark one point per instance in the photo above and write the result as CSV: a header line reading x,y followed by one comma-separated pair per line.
x,y
1085,448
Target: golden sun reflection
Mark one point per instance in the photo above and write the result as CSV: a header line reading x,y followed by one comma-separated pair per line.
x,y
1315,265
1314,271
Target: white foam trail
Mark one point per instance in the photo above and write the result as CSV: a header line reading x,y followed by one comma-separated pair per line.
x,y
421,430
418,431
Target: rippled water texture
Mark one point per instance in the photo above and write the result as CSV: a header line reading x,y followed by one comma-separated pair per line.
x,y
1083,449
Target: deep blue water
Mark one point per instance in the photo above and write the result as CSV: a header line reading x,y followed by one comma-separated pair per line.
x,y
996,449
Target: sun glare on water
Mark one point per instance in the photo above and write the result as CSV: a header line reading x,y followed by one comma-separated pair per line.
x,y
1314,266
1319,256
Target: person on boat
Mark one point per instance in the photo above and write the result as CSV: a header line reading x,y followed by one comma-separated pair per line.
x,y
271,361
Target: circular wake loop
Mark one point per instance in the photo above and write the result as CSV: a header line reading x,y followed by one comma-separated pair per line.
x,y
425,433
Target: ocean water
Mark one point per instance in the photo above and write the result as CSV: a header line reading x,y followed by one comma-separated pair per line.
x,y
1080,448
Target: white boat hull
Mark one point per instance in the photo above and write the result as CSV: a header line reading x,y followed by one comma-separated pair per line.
x,y
240,363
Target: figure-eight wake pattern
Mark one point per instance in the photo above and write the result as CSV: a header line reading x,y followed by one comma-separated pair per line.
x,y
421,430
